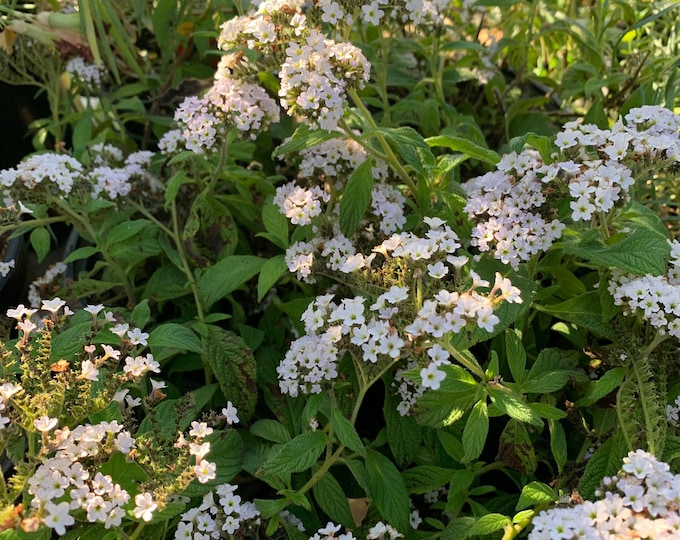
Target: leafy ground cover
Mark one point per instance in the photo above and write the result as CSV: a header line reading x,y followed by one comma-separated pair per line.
x,y
343,270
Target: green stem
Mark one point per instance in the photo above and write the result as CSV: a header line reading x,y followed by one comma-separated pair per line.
x,y
136,532
391,158
437,72
175,236
473,368
83,225
33,223
325,467
185,262
364,384
381,73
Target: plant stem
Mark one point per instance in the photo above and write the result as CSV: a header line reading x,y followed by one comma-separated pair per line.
x,y
391,159
466,363
82,224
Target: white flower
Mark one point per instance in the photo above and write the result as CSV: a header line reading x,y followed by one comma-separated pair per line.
x,y
205,471
200,430
20,312
94,309
53,305
432,376
45,423
58,517
137,337
437,270
230,413
88,371
144,506
199,450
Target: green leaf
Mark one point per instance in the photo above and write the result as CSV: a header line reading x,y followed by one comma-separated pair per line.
x,y
163,17
515,449
388,490
640,251
41,242
82,133
606,461
270,507
606,384
166,283
403,432
549,412
124,472
517,358
126,230
226,276
165,414
141,314
466,147
297,455
270,273
270,430
91,531
176,181
275,222
514,407
356,198
410,146
424,478
81,253
558,444
234,367
304,137
584,311
546,382
332,500
359,473
174,336
475,431
346,432
455,396
535,493
458,529
671,450
489,523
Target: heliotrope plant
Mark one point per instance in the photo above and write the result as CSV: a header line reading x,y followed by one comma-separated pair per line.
x,y
455,356
75,452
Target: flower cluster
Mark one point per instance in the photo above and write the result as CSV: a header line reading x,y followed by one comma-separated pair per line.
x,y
70,481
315,77
515,208
314,72
640,502
300,204
335,12
329,164
66,479
51,174
396,324
204,121
54,172
219,519
90,76
328,533
655,298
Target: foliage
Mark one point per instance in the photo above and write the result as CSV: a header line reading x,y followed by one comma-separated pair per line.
x,y
423,252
